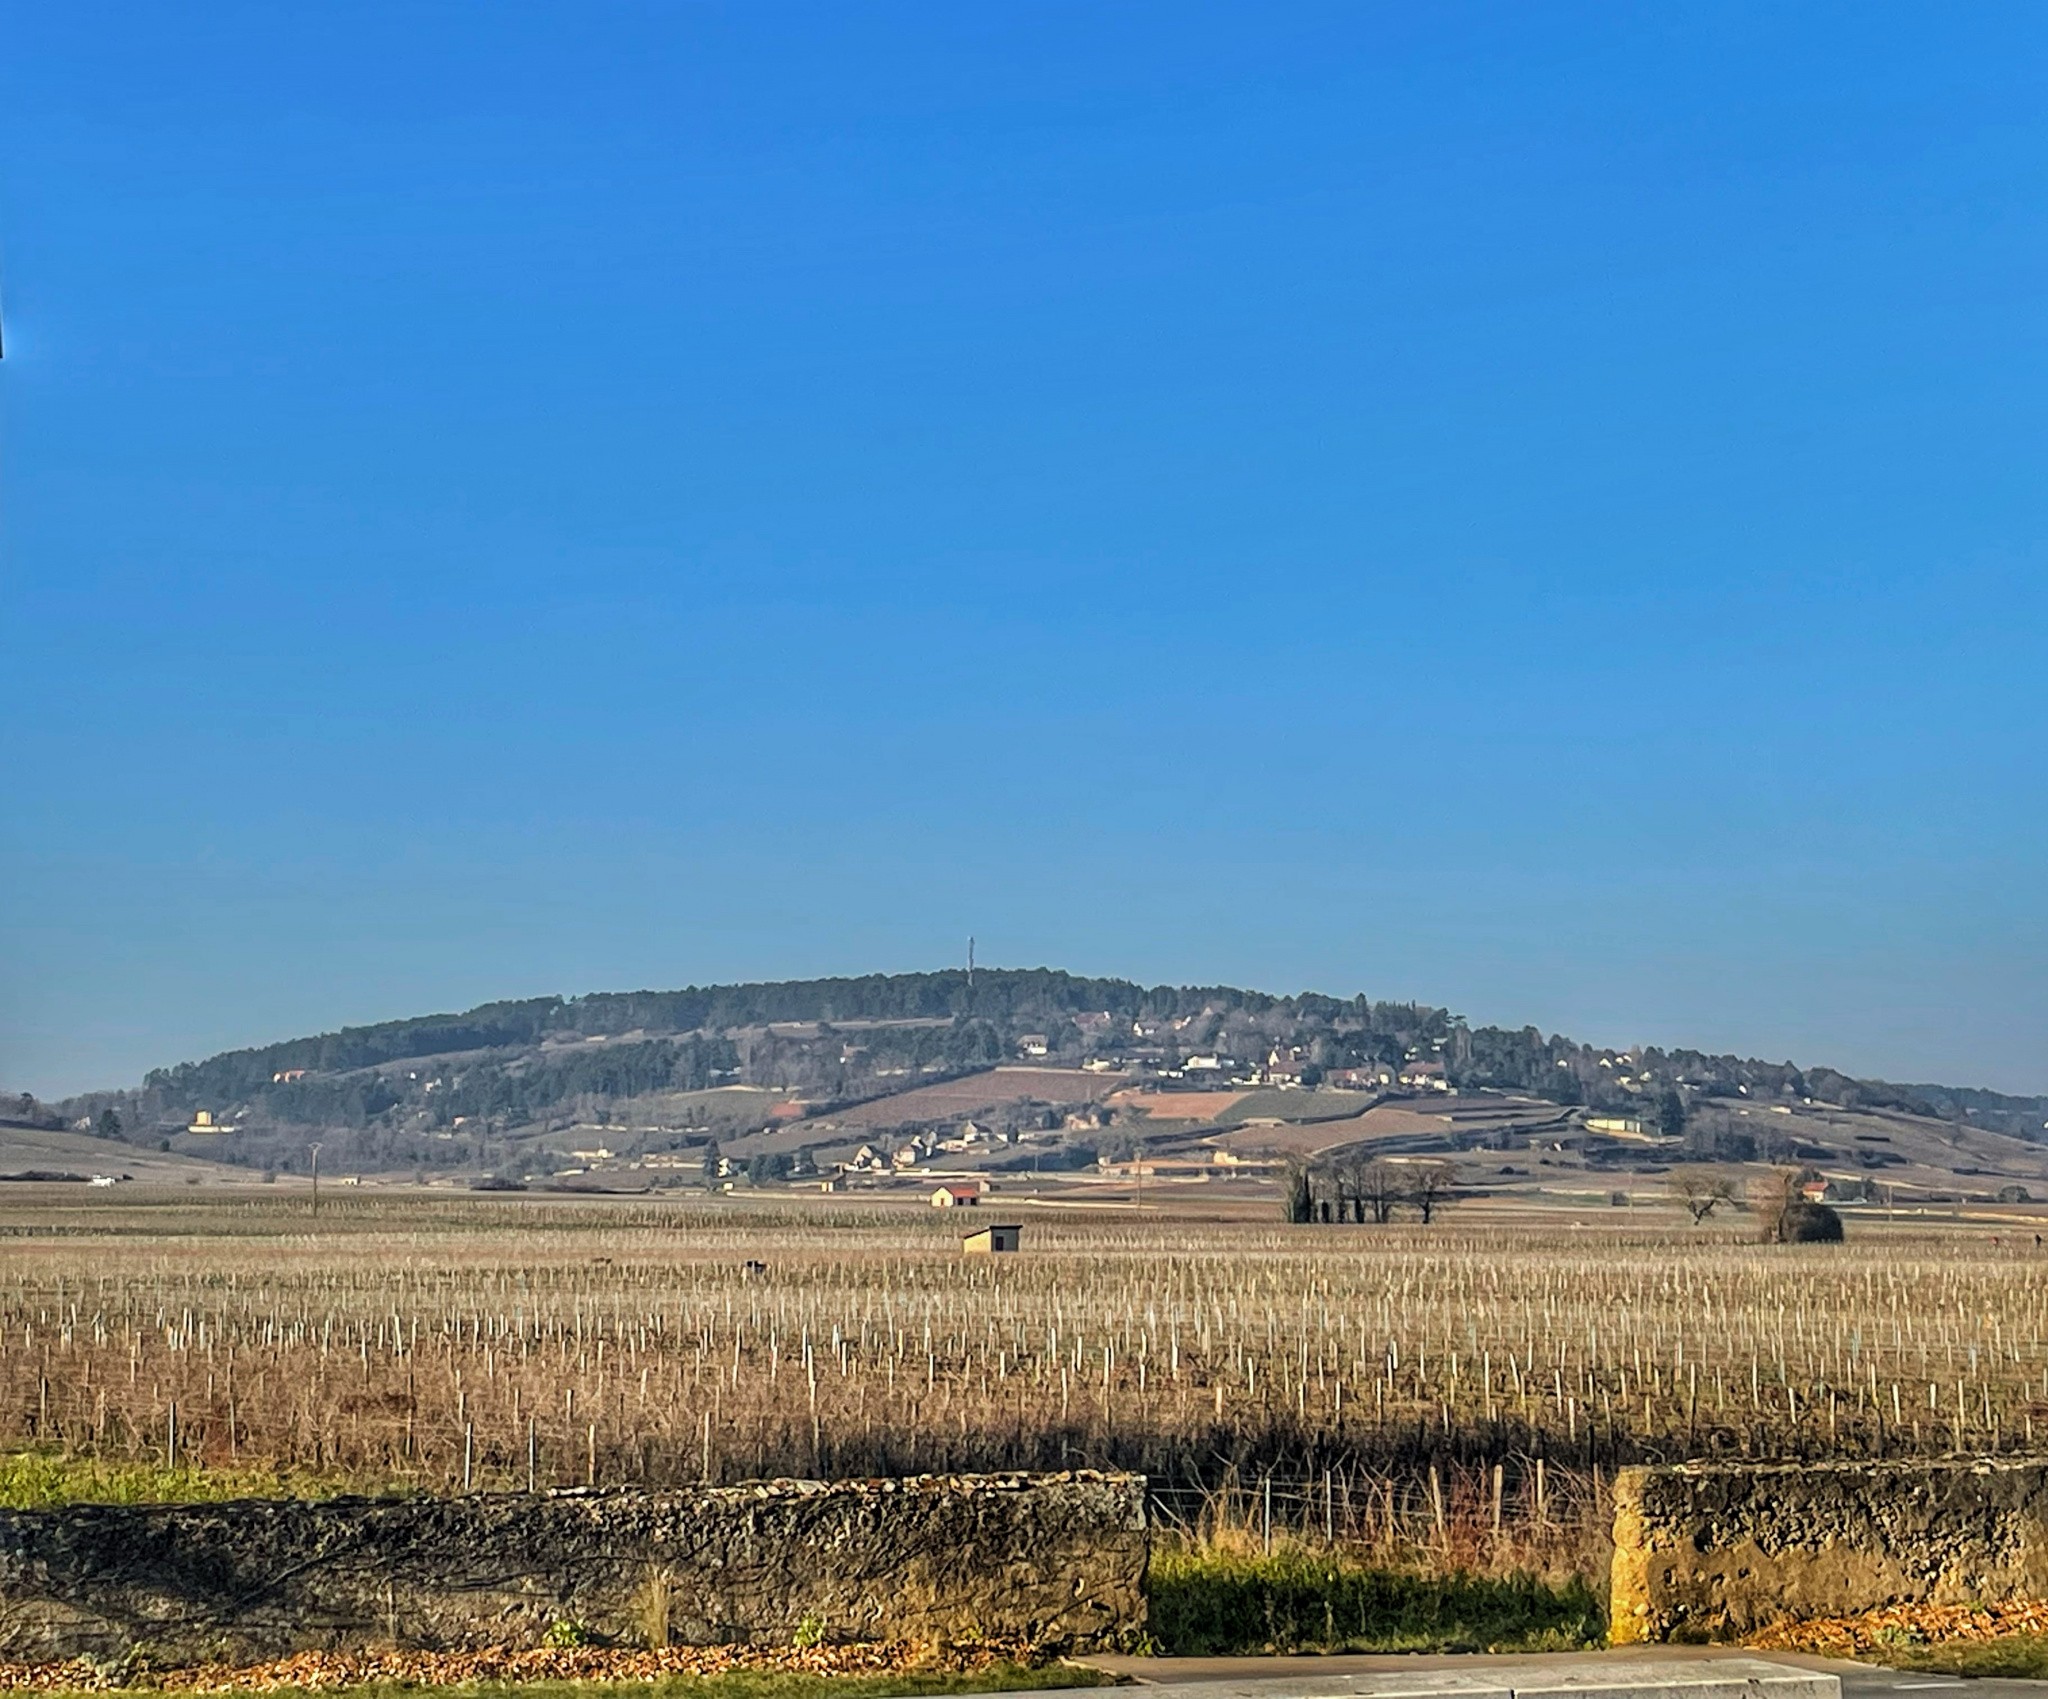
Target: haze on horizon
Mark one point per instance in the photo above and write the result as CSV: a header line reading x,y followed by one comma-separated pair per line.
x,y
1533,510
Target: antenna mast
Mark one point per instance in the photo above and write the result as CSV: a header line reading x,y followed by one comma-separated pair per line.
x,y
970,964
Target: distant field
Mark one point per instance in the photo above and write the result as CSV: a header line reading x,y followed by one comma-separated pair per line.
x,y
24,1149
1177,1105
1318,1105
975,1093
1388,1121
717,1108
1229,1108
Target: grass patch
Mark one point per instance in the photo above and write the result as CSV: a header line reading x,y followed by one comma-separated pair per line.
x,y
34,1480
1325,1103
733,1684
1220,1603
2021,1657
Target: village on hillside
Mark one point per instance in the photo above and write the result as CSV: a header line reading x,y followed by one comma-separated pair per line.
x,y
1227,1103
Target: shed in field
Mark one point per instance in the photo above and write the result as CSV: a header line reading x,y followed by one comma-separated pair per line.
x,y
993,1239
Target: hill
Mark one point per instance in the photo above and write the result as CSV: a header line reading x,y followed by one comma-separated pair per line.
x,y
546,1084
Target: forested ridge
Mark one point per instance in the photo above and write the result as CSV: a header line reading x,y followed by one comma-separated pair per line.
x,y
399,1083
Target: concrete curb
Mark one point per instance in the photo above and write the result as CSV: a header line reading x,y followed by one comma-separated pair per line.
x,y
1643,1678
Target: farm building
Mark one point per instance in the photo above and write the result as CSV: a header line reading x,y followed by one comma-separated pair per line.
x,y
990,1240
1424,1074
955,1197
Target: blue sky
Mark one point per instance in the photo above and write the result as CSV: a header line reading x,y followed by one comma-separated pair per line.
x,y
1535,508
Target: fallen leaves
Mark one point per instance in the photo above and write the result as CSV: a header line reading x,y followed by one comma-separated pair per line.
x,y
329,1670
1902,1625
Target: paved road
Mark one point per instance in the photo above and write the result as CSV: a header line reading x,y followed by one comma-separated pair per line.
x,y
1626,1672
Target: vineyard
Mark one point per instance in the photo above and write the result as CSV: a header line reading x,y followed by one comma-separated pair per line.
x,y
1458,1389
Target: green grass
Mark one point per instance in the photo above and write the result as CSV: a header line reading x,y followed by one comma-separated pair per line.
x,y
2022,1657
1212,1603
33,1480
1323,1104
735,1684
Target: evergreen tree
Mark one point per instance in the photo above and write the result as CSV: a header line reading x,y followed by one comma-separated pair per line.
x,y
1671,1113
1300,1199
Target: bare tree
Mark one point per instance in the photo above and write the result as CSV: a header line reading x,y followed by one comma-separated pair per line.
x,y
1379,1189
1430,1187
1771,1196
1345,1178
1366,1191
1337,1180
1702,1191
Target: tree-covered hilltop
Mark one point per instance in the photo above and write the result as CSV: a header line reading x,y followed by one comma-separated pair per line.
x,y
401,1093
997,1006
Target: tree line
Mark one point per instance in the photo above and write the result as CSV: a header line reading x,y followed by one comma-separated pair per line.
x,y
1366,1190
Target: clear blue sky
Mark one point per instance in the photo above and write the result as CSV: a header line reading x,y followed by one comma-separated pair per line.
x,y
1538,508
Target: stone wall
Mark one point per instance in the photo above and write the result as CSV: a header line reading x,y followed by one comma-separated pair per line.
x,y
1711,1551
1057,1559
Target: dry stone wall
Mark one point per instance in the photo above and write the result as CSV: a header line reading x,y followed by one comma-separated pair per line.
x,y
1709,1551
1056,1559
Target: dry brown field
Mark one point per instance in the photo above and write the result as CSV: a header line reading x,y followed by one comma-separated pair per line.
x,y
1496,1368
